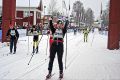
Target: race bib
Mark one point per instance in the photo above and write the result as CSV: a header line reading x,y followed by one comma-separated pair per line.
x,y
12,32
58,33
35,33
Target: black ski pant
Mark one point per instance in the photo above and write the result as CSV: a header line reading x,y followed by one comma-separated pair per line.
x,y
13,43
56,48
35,45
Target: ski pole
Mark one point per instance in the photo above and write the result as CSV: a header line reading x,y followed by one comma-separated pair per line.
x,y
33,54
66,52
40,39
47,45
30,59
92,39
66,39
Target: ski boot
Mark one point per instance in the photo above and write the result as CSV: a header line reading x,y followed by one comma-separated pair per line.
x,y
33,50
14,53
61,76
10,52
37,50
48,76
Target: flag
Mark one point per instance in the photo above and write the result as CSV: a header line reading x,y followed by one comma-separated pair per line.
x,y
101,12
69,5
40,7
64,5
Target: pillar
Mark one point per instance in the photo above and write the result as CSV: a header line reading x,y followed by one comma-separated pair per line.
x,y
114,20
8,16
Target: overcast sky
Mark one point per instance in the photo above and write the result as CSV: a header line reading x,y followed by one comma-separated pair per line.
x,y
95,5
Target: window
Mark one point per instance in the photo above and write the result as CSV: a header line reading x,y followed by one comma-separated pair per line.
x,y
38,15
26,13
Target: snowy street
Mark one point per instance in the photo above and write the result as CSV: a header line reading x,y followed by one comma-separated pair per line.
x,y
85,61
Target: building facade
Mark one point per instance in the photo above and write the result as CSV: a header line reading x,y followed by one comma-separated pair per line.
x,y
23,18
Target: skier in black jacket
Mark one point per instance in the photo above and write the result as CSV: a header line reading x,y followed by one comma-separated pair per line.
x,y
35,32
58,33
13,35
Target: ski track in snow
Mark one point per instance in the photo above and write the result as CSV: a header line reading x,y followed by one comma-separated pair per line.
x,y
82,62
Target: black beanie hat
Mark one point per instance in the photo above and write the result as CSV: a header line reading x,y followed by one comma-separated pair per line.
x,y
59,22
33,26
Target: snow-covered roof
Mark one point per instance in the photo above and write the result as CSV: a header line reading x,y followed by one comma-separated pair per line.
x,y
25,3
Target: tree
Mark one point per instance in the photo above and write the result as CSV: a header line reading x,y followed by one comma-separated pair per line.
x,y
89,15
77,8
105,16
81,15
53,8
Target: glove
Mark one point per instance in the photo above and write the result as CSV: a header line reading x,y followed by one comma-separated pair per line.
x,y
8,37
48,32
50,18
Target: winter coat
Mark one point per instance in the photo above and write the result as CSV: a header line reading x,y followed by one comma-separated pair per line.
x,y
12,34
58,34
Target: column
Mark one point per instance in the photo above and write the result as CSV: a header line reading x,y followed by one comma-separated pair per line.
x,y
114,20
8,16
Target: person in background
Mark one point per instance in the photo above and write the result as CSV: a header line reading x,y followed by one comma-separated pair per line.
x,y
13,36
35,38
85,32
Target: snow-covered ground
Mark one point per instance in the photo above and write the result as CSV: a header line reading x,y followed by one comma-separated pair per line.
x,y
85,61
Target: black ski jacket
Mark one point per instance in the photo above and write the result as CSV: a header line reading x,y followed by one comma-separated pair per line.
x,y
64,30
12,34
